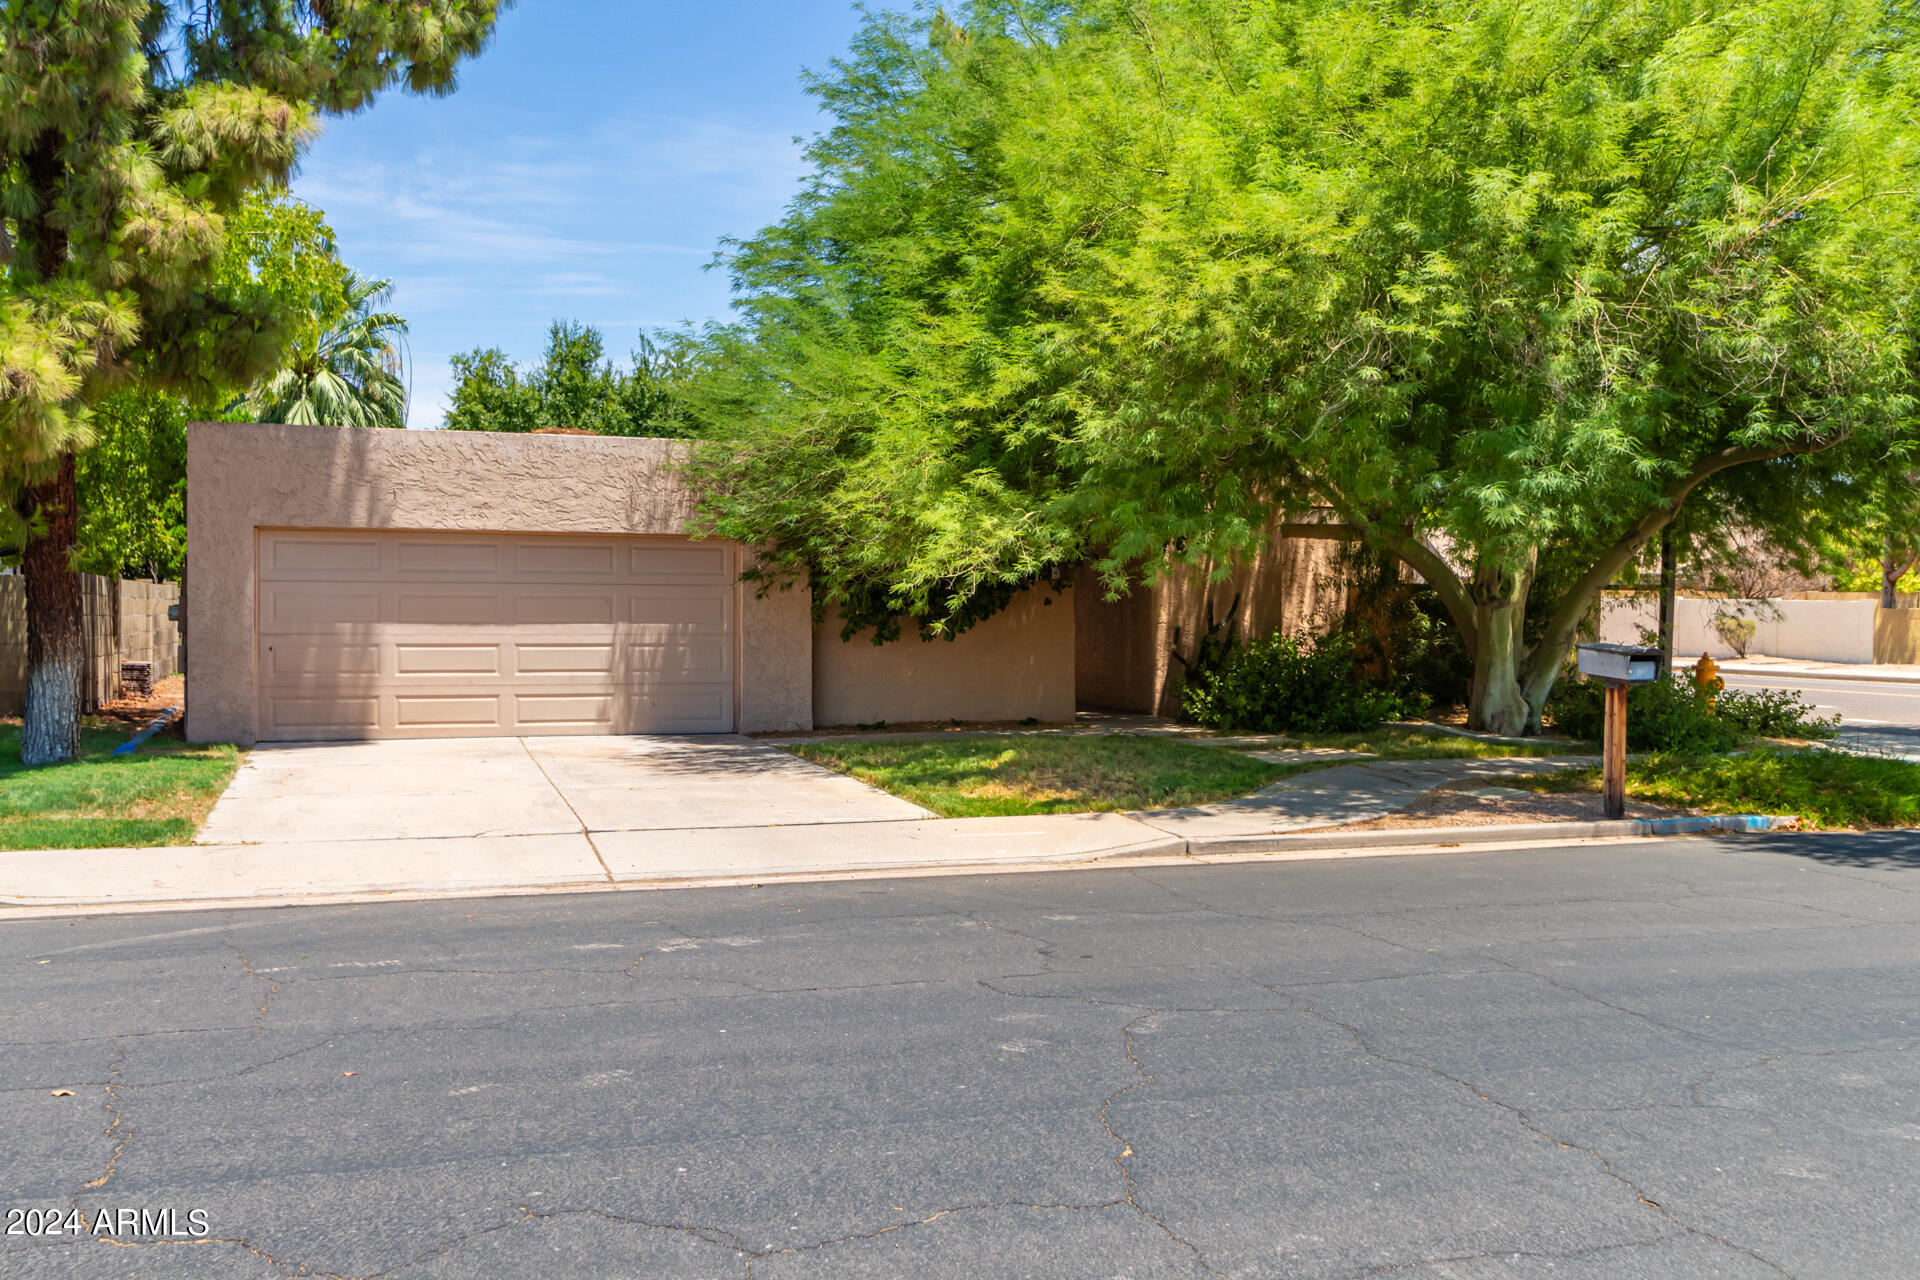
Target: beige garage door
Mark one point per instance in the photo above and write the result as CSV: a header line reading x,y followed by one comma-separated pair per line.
x,y
427,635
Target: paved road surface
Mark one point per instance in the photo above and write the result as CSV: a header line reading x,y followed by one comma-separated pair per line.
x,y
1680,1060
1885,717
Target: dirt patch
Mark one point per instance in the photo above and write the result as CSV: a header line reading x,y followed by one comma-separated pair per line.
x,y
134,713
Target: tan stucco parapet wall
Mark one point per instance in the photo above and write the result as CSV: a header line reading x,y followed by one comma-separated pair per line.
x,y
244,477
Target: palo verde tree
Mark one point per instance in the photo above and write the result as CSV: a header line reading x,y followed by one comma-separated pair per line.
x,y
129,129
1493,287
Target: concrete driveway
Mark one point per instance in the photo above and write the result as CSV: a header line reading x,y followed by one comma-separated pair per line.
x,y
476,788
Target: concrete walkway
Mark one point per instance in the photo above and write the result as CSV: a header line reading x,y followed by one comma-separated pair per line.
x,y
755,813
1338,796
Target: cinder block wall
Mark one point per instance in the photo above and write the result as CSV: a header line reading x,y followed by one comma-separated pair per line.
x,y
121,622
13,643
146,633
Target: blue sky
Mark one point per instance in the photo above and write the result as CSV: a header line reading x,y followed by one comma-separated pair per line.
x,y
586,168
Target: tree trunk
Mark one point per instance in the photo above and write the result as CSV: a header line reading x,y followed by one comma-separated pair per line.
x,y
1890,571
1498,703
56,639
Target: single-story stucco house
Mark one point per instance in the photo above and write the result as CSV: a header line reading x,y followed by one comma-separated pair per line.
x,y
346,583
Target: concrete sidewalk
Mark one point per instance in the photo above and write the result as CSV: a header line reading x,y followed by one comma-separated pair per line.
x,y
1336,797
308,866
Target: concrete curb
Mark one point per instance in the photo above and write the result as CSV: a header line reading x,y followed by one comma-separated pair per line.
x,y
1519,832
498,876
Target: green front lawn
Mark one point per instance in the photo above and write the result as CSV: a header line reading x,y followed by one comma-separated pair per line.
x,y
158,795
1005,774
1826,788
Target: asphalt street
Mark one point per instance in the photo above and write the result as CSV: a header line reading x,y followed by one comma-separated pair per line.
x,y
1683,1059
1876,715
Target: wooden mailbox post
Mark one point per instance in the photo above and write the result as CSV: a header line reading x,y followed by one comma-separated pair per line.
x,y
1618,667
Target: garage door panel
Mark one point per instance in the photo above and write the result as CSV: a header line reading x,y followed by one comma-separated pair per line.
x,y
435,635
548,559
653,565
287,608
680,710
323,716
669,660
288,659
546,608
446,659
468,711
688,610
553,712
294,556
443,558
446,608
563,659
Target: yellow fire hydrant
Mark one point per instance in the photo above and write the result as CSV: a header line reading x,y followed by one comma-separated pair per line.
x,y
1706,678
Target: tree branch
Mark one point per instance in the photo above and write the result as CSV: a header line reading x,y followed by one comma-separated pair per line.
x,y
1324,532
1544,662
1410,551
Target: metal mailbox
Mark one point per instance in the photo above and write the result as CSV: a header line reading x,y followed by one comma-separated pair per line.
x,y
1620,663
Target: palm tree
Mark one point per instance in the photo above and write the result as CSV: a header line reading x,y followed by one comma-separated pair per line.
x,y
351,376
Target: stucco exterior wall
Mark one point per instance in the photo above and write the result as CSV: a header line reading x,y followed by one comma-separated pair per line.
x,y
1016,664
1125,646
243,477
1817,630
1896,636
776,660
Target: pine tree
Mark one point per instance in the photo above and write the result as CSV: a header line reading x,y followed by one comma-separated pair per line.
x,y
129,130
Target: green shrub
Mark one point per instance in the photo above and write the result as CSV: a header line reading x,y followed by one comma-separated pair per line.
x,y
1664,715
1774,713
1738,632
1295,684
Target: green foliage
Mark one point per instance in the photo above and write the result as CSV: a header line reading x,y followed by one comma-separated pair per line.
x,y
132,482
1774,713
1866,575
1294,683
132,133
283,251
1401,631
575,388
132,477
351,373
989,776
1662,715
1109,281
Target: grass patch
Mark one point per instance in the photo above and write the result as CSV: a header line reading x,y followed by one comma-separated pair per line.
x,y
1826,788
1394,743
159,795
997,776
